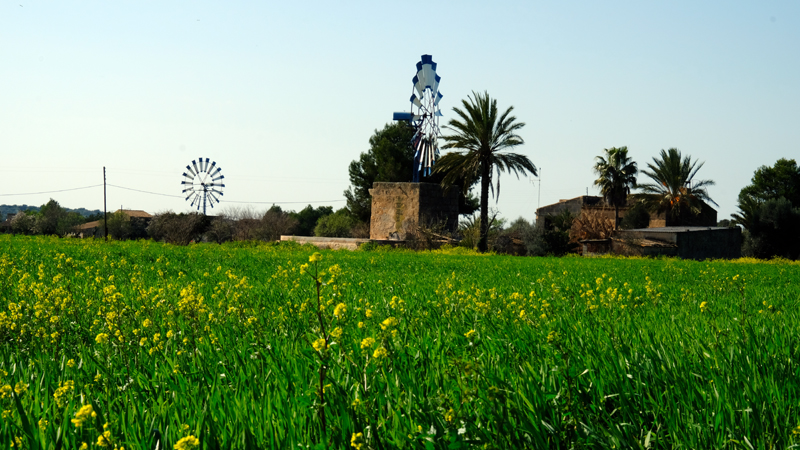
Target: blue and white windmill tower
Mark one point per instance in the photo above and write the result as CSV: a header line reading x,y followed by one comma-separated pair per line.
x,y
424,117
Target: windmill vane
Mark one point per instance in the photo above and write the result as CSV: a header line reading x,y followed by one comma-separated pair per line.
x,y
424,116
202,183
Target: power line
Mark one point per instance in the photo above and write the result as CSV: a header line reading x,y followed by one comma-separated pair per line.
x,y
52,192
226,201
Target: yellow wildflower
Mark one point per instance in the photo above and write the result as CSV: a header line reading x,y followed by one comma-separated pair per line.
x,y
43,424
187,443
469,334
20,388
389,323
340,310
703,307
316,257
380,352
357,440
85,413
368,313
319,345
101,338
71,363
337,332
450,415
367,343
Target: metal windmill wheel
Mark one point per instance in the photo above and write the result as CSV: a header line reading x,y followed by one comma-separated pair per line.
x,y
202,183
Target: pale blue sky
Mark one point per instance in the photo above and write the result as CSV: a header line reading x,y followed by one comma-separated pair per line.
x,y
284,95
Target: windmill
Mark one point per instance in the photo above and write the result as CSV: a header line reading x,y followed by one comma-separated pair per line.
x,y
424,116
202,184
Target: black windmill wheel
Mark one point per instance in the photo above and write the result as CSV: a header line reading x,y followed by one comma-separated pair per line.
x,y
202,183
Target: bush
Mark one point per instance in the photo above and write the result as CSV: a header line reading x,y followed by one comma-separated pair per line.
x,y
551,237
511,240
275,223
338,224
773,231
180,229
636,217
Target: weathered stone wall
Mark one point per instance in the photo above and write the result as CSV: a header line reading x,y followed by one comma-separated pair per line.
x,y
691,242
398,208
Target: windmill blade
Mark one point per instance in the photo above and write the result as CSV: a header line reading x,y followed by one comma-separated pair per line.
x,y
438,97
190,171
435,86
216,171
207,160
214,199
213,164
218,178
415,101
418,85
194,164
217,192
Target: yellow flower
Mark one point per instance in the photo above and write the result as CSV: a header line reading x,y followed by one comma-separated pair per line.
x,y
101,338
337,333
340,310
20,388
450,415
71,363
316,257
64,389
43,424
389,323
104,440
85,413
319,345
84,446
357,440
368,313
360,324
469,334
380,352
552,336
703,307
367,343
142,341
187,443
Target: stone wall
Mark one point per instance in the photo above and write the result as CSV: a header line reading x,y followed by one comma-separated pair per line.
x,y
398,208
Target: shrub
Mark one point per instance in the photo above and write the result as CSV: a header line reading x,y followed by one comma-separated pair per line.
x,y
338,224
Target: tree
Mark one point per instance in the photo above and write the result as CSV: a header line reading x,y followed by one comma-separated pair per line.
x,y
49,217
338,224
483,135
308,217
616,176
674,190
389,159
769,209
780,180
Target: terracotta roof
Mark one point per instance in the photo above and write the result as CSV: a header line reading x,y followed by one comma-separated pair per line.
x,y
88,225
135,213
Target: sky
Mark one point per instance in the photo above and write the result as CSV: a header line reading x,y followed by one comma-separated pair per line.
x,y
284,95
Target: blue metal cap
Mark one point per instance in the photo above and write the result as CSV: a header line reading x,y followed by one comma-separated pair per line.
x,y
403,116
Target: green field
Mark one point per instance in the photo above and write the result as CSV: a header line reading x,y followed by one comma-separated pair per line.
x,y
208,346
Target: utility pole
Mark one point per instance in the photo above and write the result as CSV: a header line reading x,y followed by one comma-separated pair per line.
x,y
105,211
539,202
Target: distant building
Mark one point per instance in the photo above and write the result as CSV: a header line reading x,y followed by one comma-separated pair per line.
x,y
684,242
577,205
139,221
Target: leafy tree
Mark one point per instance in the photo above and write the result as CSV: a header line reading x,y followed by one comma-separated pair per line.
x,y
674,189
636,217
616,176
274,223
337,224
180,229
389,159
23,223
308,217
551,237
780,180
769,209
49,217
772,230
483,136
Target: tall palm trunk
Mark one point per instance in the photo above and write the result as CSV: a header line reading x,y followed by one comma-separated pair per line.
x,y
483,242
616,217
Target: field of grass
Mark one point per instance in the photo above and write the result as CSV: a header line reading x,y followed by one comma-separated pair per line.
x,y
134,344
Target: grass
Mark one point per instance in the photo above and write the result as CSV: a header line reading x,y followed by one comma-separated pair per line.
x,y
212,346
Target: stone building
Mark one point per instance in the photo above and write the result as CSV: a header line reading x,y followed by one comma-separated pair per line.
x,y
399,208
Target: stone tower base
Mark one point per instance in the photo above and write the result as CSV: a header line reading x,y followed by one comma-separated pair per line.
x,y
398,208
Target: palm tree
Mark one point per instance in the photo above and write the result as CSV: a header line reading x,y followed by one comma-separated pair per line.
x,y
483,135
674,189
616,176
